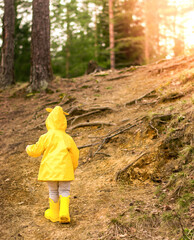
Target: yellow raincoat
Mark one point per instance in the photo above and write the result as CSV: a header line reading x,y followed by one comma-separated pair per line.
x,y
60,153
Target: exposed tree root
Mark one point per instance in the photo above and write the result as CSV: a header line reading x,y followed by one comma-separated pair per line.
x,y
78,111
169,67
115,133
87,145
171,97
119,77
43,107
73,119
106,138
69,100
151,125
75,111
88,124
149,103
39,127
86,112
50,103
105,154
140,98
162,117
175,65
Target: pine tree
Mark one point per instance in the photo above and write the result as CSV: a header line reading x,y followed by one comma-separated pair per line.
x,y
41,70
79,40
128,33
64,18
7,51
22,41
111,35
103,34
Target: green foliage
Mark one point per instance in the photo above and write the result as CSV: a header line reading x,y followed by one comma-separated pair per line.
x,y
129,38
188,234
185,201
86,38
162,197
109,87
115,221
22,44
22,53
181,118
102,31
80,33
168,216
78,44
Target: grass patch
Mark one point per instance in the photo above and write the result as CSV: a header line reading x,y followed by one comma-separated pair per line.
x,y
185,201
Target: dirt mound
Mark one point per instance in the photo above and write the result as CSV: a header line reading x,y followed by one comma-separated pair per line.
x,y
134,129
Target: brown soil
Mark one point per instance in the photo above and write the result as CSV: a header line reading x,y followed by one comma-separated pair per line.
x,y
98,201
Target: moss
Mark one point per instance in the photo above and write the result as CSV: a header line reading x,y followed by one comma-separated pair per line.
x,y
168,216
188,234
185,201
115,221
162,197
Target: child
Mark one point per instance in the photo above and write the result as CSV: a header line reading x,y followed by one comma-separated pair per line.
x,y
60,159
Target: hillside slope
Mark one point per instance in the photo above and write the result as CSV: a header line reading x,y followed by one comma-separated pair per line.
x,y
134,128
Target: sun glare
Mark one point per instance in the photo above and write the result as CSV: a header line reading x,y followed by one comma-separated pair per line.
x,y
189,30
185,22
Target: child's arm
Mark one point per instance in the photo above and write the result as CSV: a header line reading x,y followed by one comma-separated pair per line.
x,y
37,149
74,152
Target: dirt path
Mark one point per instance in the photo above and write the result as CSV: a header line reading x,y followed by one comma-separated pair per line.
x,y
96,198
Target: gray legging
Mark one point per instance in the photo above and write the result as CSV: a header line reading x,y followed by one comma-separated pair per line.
x,y
58,188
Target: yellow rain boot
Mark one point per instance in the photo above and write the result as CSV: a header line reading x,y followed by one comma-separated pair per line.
x,y
64,210
53,212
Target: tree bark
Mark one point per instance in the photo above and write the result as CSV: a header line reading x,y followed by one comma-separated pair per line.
x,y
7,55
41,70
96,34
68,43
147,57
111,35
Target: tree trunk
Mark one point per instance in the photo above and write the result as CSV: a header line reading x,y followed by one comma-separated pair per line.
x,y
147,57
96,35
111,35
7,54
41,70
68,43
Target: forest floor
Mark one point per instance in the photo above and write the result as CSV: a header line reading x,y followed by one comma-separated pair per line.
x,y
134,129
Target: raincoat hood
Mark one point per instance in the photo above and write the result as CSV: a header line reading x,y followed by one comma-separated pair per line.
x,y
56,120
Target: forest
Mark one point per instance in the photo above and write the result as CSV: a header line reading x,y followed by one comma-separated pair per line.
x,y
123,73
130,32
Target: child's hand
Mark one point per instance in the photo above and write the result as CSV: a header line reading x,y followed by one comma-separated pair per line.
x,y
27,147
